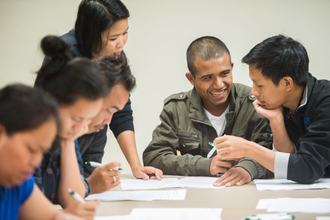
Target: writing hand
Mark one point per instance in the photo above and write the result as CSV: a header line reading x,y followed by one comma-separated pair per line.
x,y
104,178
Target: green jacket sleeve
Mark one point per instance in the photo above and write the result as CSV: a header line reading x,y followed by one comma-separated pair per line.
x,y
262,137
162,150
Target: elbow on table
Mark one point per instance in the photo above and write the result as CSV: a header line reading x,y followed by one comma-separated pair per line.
x,y
307,177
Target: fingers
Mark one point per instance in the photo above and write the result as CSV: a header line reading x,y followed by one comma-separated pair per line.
x,y
139,174
113,174
219,166
216,170
111,165
220,181
86,210
236,176
223,153
228,179
158,174
256,104
91,205
224,163
219,140
148,173
154,173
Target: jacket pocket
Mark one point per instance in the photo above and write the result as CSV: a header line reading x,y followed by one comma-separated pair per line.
x,y
189,142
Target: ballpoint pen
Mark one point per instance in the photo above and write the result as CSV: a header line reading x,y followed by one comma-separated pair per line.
x,y
76,196
96,164
212,150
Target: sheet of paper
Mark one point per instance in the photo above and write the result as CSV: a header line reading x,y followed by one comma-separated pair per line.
x,y
132,184
264,203
176,213
323,218
304,205
283,184
188,182
139,195
117,217
199,182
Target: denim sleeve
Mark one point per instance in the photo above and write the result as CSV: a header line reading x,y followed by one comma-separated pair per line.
x,y
81,169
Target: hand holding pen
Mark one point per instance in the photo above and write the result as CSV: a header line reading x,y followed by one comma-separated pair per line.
x,y
81,208
218,165
104,177
209,155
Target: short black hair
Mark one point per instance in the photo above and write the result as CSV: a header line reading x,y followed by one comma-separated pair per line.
x,y
93,18
206,48
280,56
24,108
116,70
67,78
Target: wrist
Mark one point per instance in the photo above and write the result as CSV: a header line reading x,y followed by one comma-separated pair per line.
x,y
66,143
276,121
251,149
136,165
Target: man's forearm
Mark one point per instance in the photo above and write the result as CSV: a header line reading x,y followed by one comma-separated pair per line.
x,y
262,155
70,174
126,141
281,140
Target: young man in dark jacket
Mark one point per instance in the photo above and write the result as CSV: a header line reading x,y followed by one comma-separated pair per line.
x,y
298,108
214,107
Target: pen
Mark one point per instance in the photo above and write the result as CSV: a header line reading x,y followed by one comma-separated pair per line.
x,y
96,164
212,150
93,164
76,196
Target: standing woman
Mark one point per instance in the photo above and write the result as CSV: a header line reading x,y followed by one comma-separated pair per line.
x,y
78,86
101,29
28,125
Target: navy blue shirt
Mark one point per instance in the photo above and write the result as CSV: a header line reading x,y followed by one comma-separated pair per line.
x,y
92,145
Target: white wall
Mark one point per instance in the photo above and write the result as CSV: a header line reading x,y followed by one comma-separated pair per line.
x,y
159,34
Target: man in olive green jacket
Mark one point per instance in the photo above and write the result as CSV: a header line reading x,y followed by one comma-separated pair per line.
x,y
214,107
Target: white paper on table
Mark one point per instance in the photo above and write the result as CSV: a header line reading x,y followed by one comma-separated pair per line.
x,y
284,184
188,182
264,203
176,213
117,217
322,217
139,195
131,184
199,182
304,205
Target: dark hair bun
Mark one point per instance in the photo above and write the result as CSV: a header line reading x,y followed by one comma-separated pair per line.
x,y
53,45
